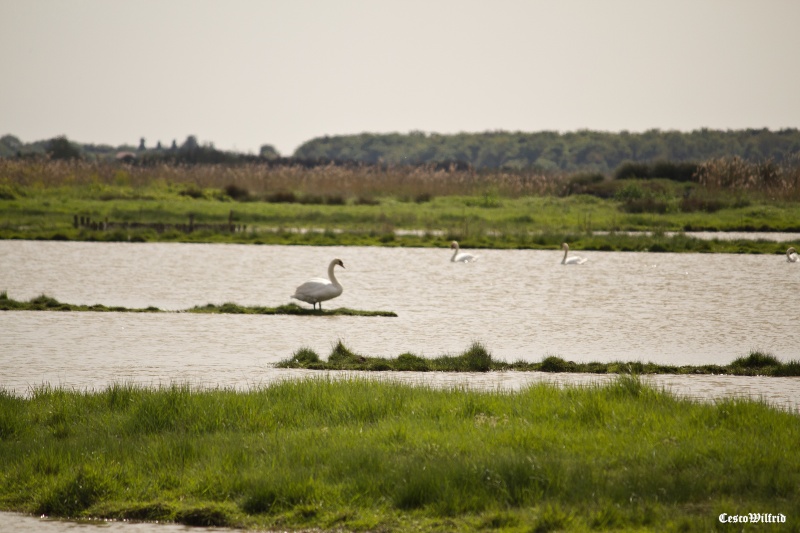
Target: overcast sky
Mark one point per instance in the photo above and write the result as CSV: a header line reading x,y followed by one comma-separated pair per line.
x,y
240,74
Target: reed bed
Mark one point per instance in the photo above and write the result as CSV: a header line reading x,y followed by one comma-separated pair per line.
x,y
262,181
735,174
363,455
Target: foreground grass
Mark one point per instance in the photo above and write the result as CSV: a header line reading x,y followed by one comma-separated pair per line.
x,y
364,455
477,359
47,303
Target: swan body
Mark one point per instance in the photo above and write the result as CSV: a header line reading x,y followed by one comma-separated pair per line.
x,y
791,256
317,290
574,260
461,257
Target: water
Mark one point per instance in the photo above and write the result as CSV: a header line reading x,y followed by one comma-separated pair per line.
x,y
521,304
19,523
666,308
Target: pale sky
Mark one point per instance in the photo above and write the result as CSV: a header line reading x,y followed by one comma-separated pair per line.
x,y
240,74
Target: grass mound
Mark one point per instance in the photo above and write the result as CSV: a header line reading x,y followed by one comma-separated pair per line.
x,y
478,359
47,303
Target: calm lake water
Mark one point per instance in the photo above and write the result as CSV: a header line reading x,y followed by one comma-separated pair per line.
x,y
667,308
521,304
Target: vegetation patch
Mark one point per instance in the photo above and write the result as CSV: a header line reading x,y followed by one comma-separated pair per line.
x,y
355,454
46,303
425,206
288,309
477,359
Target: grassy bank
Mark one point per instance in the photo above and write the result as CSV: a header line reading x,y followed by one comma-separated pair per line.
x,y
365,455
47,303
335,206
478,359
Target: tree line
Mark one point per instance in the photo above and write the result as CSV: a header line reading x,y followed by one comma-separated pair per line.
x,y
585,151
579,151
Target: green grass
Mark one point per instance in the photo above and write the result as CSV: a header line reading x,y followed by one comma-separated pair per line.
x,y
364,455
538,222
47,303
478,359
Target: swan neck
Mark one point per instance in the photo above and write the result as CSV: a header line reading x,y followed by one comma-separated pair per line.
x,y
331,276
564,260
455,253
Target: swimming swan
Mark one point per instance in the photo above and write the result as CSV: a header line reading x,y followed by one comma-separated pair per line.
x,y
574,260
317,290
791,256
461,257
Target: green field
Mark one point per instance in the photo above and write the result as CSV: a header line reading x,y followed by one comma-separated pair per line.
x,y
80,201
364,455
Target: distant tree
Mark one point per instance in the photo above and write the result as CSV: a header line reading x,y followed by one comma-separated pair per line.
x,y
174,146
268,151
141,145
158,146
61,148
190,143
10,146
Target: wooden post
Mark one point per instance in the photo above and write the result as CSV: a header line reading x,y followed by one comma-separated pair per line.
x,y
75,221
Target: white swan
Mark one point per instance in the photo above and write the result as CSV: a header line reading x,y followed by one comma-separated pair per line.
x,y
791,256
462,257
317,290
574,260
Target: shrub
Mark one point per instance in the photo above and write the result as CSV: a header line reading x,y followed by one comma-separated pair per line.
x,y
408,361
281,197
756,360
630,191
192,192
554,364
682,171
477,359
632,171
305,356
342,355
645,205
585,184
240,194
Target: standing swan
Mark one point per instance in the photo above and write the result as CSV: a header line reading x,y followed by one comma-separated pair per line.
x,y
791,256
317,290
461,257
574,260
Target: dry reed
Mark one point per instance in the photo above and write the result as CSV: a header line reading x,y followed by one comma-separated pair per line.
x,y
734,173
260,180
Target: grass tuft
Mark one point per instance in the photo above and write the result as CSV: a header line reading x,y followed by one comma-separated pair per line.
x,y
756,360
